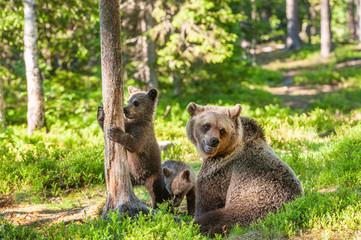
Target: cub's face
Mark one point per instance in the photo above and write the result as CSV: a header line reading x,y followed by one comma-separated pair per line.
x,y
140,103
213,130
178,185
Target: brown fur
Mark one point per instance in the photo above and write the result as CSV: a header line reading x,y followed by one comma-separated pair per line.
x,y
142,148
241,178
178,181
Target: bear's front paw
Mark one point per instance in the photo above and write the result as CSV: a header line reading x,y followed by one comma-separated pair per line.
x,y
100,115
114,133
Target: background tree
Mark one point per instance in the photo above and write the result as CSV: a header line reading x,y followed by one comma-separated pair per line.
x,y
141,48
351,19
36,111
148,48
293,41
358,30
326,35
187,40
120,195
2,103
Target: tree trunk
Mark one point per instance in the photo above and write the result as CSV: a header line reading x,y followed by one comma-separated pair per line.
x,y
326,36
351,19
313,18
254,40
2,103
152,55
309,18
36,112
148,46
358,29
120,195
293,41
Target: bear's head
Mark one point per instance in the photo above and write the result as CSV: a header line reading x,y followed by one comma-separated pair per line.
x,y
178,184
215,131
141,105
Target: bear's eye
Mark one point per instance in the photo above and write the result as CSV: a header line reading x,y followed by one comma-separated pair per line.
x,y
206,127
136,103
222,132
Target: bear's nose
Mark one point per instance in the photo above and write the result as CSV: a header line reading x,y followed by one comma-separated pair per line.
x,y
125,110
214,141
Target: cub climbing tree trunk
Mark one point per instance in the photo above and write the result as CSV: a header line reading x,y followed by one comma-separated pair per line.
x,y
36,112
120,195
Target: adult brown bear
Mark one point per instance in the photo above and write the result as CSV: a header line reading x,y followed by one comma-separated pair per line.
x,y
241,178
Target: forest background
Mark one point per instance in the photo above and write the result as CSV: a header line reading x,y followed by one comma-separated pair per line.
x,y
293,65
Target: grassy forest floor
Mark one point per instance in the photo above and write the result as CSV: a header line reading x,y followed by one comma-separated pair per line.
x,y
311,118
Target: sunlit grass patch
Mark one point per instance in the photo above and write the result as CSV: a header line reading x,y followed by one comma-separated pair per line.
x,y
157,225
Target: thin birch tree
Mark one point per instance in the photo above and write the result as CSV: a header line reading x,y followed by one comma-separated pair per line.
x,y
36,110
326,35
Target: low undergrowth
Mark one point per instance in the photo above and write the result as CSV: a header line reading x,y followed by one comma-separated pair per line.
x,y
321,142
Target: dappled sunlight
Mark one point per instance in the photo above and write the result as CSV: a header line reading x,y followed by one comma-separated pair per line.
x,y
52,182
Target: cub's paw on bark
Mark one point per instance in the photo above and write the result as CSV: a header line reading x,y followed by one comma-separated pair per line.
x,y
114,133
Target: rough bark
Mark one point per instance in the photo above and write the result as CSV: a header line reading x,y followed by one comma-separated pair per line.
x,y
293,41
120,195
326,36
36,112
351,19
2,104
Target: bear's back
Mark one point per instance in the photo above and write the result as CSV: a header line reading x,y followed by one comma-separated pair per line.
x,y
256,168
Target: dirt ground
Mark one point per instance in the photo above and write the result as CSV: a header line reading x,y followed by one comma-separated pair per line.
x,y
76,206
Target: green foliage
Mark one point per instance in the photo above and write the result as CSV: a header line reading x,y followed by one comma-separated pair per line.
x,y
44,166
158,225
202,30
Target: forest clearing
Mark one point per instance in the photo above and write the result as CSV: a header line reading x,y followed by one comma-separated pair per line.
x,y
52,178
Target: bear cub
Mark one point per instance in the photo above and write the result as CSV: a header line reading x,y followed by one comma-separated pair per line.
x,y
179,180
241,178
143,152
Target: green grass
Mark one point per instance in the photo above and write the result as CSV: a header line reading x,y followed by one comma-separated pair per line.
x,y
160,225
70,156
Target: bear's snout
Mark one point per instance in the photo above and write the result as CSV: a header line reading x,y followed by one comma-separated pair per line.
x,y
214,142
125,110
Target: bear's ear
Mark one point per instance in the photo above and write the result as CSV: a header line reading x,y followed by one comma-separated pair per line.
x,y
235,111
193,109
186,174
167,172
132,90
153,93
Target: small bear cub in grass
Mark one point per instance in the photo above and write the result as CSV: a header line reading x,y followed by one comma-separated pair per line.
x,y
139,140
178,181
241,178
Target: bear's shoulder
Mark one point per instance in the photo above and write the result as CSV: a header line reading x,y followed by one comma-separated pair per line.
x,y
251,129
